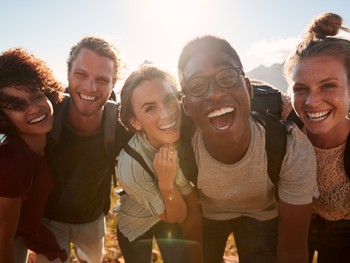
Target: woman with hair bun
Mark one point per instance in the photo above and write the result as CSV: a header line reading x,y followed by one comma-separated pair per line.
x,y
318,73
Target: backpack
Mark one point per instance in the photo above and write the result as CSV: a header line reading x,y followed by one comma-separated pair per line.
x,y
110,117
268,99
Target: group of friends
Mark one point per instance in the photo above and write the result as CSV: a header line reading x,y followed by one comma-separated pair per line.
x,y
56,174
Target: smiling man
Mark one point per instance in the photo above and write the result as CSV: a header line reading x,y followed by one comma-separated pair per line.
x,y
76,152
234,187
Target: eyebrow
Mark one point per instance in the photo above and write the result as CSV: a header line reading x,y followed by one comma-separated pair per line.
x,y
216,65
166,99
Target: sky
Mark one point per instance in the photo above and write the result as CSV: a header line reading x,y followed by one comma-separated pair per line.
x,y
262,31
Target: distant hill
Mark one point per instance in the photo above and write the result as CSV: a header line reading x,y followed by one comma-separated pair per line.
x,y
272,75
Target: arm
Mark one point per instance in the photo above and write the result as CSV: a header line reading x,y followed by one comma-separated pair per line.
x,y
191,228
9,214
166,165
294,223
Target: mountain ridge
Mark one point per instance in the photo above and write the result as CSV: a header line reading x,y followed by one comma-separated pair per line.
x,y
272,75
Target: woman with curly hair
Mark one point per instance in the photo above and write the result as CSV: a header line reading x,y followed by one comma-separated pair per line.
x,y
318,73
28,91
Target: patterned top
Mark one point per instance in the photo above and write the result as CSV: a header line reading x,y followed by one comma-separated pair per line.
x,y
333,183
140,208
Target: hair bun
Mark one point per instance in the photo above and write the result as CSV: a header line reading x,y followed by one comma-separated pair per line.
x,y
327,24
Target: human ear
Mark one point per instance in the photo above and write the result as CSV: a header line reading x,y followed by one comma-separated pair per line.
x,y
135,123
249,88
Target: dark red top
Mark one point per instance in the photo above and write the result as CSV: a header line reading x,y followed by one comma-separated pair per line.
x,y
25,174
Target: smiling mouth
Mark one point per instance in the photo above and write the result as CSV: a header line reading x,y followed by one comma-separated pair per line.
x,y
38,119
87,98
222,118
318,116
168,126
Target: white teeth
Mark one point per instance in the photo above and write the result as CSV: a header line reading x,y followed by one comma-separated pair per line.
x,y
36,120
220,112
167,126
317,116
88,98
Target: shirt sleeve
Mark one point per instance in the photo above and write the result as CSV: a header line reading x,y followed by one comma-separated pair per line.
x,y
182,183
138,184
297,184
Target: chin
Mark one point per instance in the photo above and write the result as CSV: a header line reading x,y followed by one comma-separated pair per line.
x,y
172,140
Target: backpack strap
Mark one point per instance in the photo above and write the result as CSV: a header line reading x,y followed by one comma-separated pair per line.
x,y
187,159
292,116
134,154
347,156
109,128
55,133
276,142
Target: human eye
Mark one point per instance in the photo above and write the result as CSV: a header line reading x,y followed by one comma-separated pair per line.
x,y
329,86
196,85
149,108
299,89
37,96
102,81
172,102
80,74
227,78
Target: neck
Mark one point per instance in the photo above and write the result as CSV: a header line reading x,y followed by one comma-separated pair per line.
x,y
228,152
85,125
35,143
331,139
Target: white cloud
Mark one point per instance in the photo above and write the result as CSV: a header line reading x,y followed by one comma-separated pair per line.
x,y
270,51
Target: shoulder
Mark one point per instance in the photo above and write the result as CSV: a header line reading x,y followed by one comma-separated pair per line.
x,y
16,163
127,165
297,140
14,150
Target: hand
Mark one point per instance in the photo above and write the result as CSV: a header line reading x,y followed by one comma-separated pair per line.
x,y
165,165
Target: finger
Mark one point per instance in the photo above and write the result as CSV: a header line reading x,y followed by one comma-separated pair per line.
x,y
166,154
162,153
171,149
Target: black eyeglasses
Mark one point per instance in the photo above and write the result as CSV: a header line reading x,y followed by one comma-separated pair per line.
x,y
225,78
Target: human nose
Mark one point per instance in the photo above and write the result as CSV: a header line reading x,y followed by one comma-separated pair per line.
x,y
169,110
33,107
90,85
214,90
313,98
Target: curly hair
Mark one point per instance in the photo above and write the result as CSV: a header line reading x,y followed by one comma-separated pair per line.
x,y
101,47
22,70
145,72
